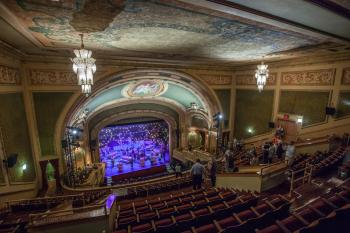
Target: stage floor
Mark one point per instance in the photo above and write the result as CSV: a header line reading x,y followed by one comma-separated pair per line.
x,y
127,168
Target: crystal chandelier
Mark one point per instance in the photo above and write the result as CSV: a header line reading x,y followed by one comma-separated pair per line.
x,y
261,75
84,66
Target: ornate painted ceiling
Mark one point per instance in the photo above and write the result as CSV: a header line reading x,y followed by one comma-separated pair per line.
x,y
168,29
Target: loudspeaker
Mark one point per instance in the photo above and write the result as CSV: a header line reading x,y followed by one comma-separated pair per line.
x,y
271,125
64,144
11,160
93,144
330,111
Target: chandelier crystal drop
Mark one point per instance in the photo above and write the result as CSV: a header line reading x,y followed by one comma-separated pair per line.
x,y
261,75
84,66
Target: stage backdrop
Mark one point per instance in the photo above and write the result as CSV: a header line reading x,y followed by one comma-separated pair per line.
x,y
133,147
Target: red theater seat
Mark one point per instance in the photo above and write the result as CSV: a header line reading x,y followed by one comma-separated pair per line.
x,y
143,228
126,221
227,222
293,223
144,217
270,229
208,228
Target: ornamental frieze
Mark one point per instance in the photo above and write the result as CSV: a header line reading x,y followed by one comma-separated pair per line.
x,y
346,76
9,76
249,79
214,79
323,77
43,77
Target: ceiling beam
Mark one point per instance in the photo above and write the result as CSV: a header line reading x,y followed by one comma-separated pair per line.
x,y
235,9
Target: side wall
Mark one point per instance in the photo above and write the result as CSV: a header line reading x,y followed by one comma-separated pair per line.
x,y
298,90
39,95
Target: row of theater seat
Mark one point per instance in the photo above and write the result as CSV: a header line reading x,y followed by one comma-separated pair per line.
x,y
330,161
172,205
321,160
154,188
197,210
246,220
323,215
344,170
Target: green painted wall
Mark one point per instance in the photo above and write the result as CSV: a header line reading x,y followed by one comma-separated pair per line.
x,y
253,111
224,97
15,136
311,105
343,107
48,106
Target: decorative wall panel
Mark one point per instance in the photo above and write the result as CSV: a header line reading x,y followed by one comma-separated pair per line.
x,y
15,134
343,107
309,78
249,79
9,76
346,76
214,79
48,106
225,100
253,112
311,105
44,77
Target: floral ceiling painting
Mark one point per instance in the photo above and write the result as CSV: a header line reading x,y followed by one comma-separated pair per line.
x,y
153,28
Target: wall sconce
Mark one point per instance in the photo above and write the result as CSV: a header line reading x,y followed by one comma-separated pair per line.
x,y
300,120
250,130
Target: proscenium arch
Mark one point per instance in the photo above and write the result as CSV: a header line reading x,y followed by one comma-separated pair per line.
x,y
192,83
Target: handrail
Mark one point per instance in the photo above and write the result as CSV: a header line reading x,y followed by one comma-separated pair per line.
x,y
306,178
46,198
268,166
120,186
71,215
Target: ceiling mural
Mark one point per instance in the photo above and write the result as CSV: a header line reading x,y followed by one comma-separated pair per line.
x,y
152,28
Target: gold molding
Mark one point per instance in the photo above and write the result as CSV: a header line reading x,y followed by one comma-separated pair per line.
x,y
50,77
216,79
322,77
249,79
345,79
9,76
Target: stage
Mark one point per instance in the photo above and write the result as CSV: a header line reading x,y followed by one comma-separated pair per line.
x,y
133,150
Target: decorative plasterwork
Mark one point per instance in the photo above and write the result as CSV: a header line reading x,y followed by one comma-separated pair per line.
x,y
249,79
9,76
345,80
214,79
324,77
145,88
49,77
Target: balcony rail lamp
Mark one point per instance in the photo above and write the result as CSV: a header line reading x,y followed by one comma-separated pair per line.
x,y
84,66
261,75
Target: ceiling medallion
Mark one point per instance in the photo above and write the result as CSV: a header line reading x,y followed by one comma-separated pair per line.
x,y
84,66
261,75
145,88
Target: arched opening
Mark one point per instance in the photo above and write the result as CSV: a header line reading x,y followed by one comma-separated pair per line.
x,y
180,101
